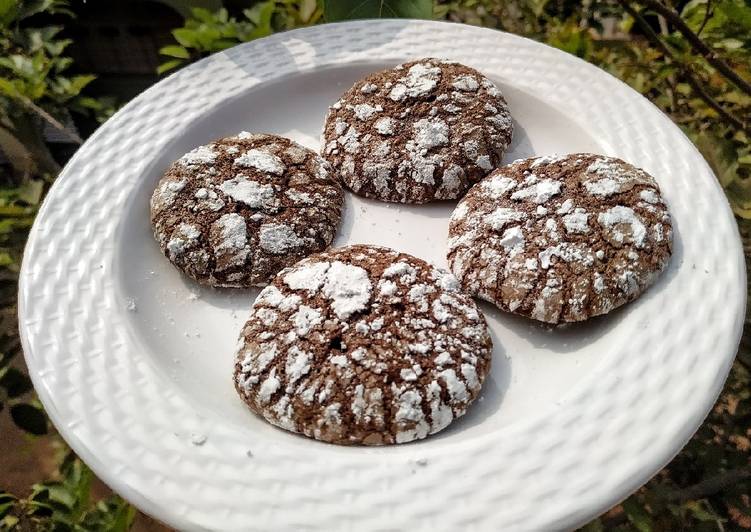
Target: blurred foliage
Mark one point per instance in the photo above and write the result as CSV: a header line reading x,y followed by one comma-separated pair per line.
x,y
36,93
65,504
649,45
667,72
336,10
35,90
205,32
32,90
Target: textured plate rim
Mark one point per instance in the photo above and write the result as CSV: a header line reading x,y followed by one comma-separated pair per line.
x,y
144,488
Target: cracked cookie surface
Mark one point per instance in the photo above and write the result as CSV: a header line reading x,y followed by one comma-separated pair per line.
x,y
234,212
362,345
422,131
561,238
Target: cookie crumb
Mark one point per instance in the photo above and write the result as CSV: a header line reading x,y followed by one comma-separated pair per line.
x,y
198,439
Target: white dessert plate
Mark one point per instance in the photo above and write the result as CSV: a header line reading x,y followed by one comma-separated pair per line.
x,y
133,361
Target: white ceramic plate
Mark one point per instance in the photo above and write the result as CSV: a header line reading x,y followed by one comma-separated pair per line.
x,y
571,420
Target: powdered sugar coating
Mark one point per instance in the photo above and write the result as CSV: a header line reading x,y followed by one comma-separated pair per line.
x,y
345,361
560,238
236,211
419,132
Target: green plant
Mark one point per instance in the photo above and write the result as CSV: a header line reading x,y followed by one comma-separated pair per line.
x,y
703,54
65,505
347,10
35,91
206,32
692,63
34,87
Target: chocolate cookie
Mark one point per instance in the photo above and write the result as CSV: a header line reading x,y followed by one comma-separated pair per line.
x,y
561,238
362,345
422,131
236,211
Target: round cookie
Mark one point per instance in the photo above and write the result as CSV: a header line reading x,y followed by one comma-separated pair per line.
x,y
362,345
422,131
560,238
234,212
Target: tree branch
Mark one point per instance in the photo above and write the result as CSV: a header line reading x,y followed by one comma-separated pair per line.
x,y
700,90
44,115
697,44
707,14
711,485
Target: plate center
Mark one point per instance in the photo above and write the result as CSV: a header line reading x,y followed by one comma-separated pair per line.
x,y
189,332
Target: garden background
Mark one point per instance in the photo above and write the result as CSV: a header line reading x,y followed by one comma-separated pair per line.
x,y
66,66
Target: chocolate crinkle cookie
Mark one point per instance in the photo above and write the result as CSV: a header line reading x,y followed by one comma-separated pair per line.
x,y
362,345
236,211
561,238
422,131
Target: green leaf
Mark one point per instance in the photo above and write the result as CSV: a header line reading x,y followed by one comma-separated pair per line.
x,y
7,501
169,65
30,191
736,13
12,379
29,418
61,495
175,51
8,88
260,15
66,88
202,14
223,44
593,526
739,194
113,515
335,10
55,48
222,16
8,11
699,512
572,39
186,37
537,6
61,64
307,9
205,37
693,13
721,156
637,515
32,7
730,44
